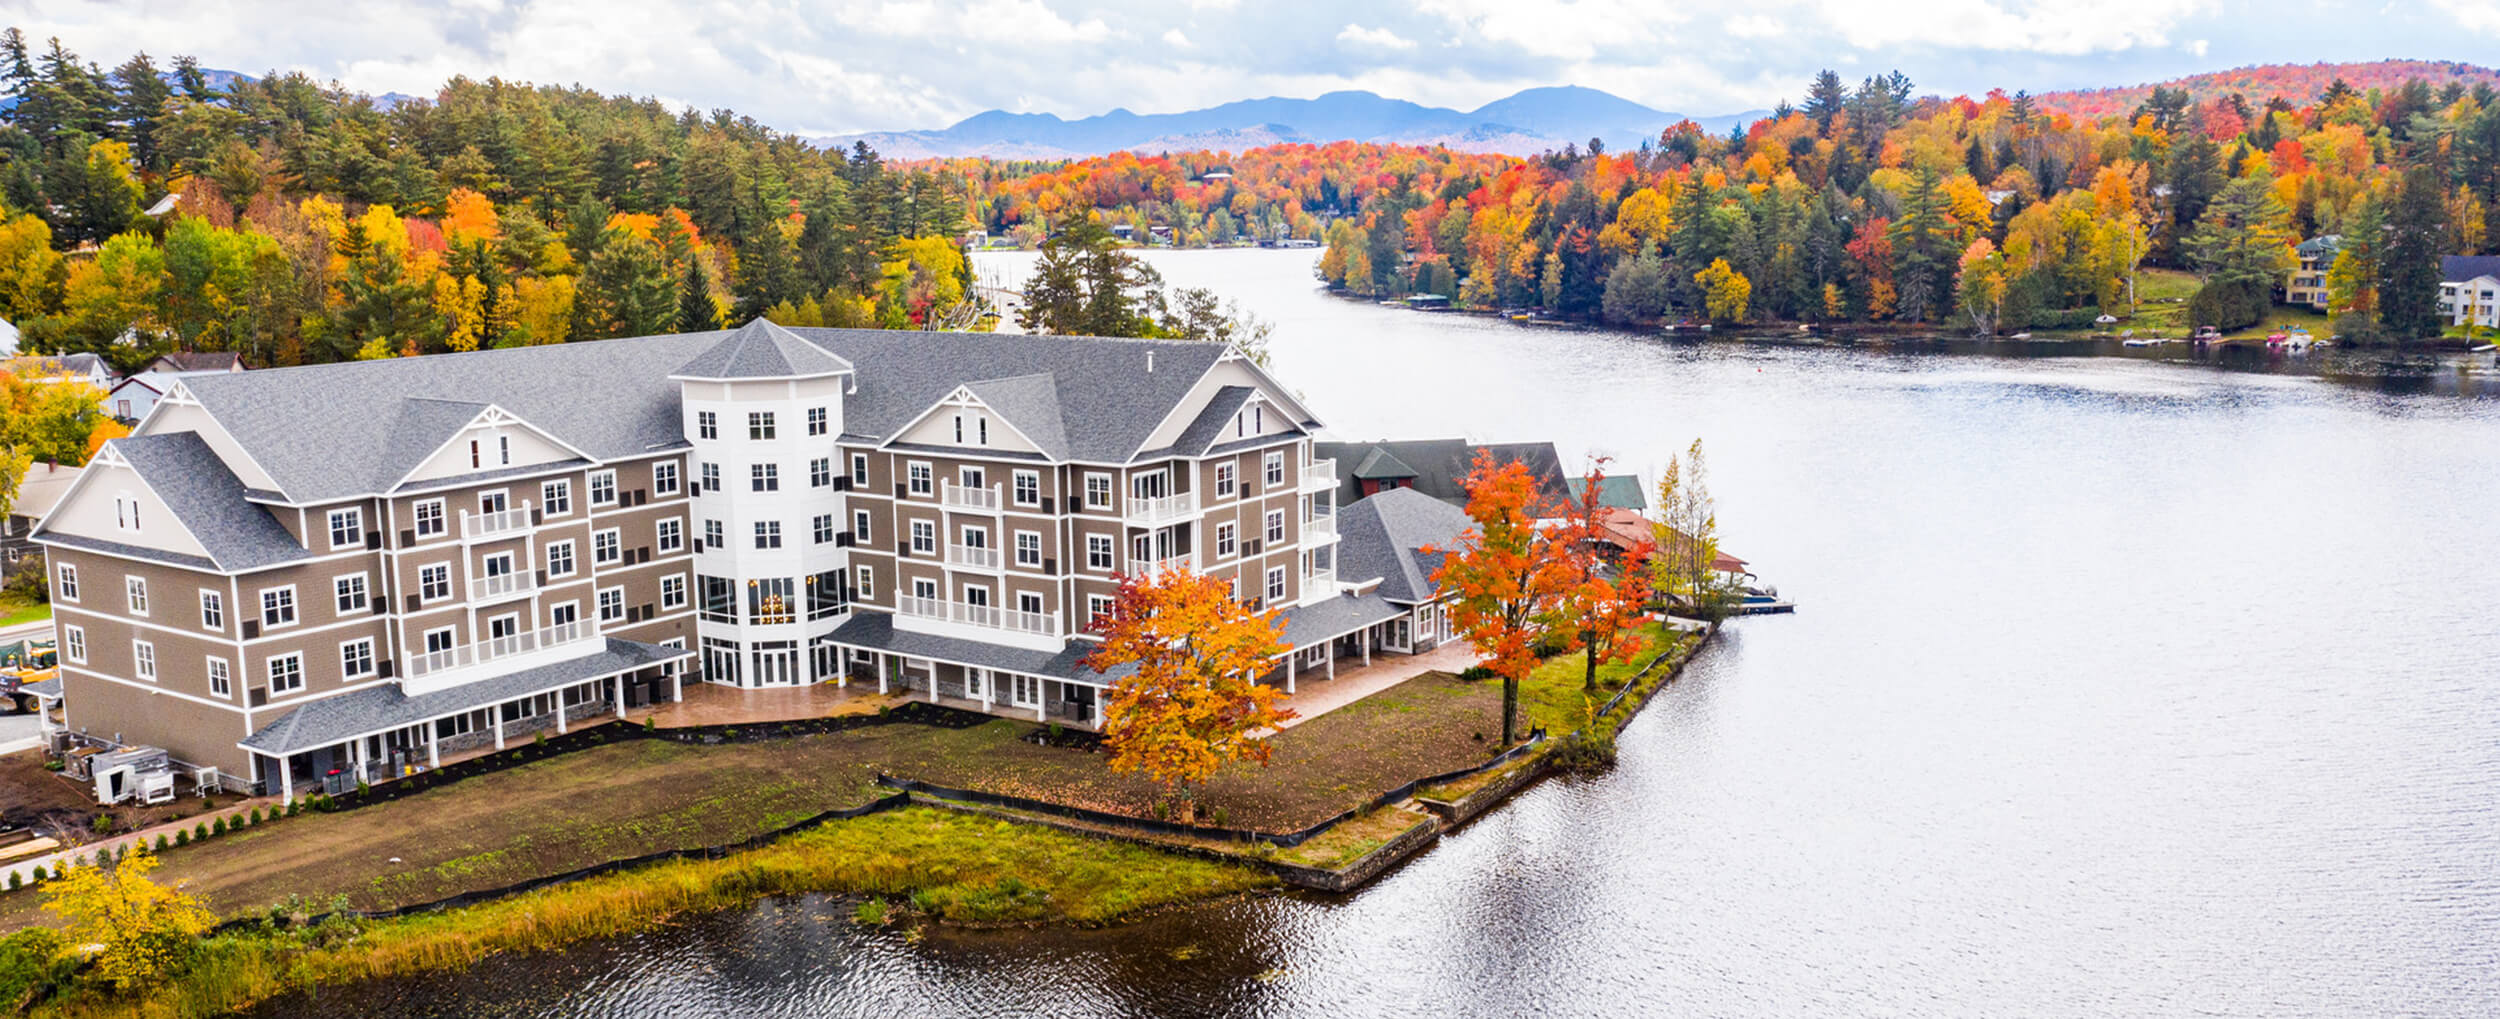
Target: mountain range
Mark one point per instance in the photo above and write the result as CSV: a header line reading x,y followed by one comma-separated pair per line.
x,y
1530,121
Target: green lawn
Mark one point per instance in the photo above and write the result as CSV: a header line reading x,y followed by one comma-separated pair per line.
x,y
13,613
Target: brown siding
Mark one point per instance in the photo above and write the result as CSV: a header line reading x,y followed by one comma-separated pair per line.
x,y
194,733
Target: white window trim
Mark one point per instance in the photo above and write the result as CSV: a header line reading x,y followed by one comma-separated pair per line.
x,y
426,636
547,502
665,470
913,474
1109,490
1037,548
135,595
920,528
371,658
65,583
442,518
294,604
213,601
449,589
572,559
867,583
143,660
600,604
1109,547
1015,482
220,673
1275,589
74,643
1227,541
860,526
616,540
1273,467
364,592
660,534
678,582
355,518
610,477
859,470
271,671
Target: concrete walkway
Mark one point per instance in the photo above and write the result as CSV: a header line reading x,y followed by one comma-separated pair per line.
x,y
1317,695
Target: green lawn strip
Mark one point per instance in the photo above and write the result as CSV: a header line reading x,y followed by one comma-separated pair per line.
x,y
14,613
920,862
1356,838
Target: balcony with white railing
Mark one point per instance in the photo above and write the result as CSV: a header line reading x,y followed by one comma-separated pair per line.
x,y
1150,511
1319,584
991,621
1320,527
509,585
955,496
1319,475
436,670
972,558
498,524
1184,563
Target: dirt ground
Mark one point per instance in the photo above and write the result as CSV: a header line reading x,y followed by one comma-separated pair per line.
x,y
54,804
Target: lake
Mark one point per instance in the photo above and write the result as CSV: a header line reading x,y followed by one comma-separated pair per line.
x,y
2117,688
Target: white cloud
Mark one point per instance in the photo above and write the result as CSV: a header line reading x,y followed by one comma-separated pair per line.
x,y
1172,37
2473,15
2055,27
1755,26
1568,30
1380,38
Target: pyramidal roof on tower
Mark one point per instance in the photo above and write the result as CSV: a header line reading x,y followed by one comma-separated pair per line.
x,y
762,350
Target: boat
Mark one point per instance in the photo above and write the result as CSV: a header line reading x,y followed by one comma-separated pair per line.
x,y
1687,327
2143,341
2484,349
2019,336
2277,339
2207,334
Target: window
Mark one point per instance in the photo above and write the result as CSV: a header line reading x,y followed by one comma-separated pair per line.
x,y
859,526
212,610
1276,584
126,512
824,528
434,582
503,449
356,658
1098,491
817,420
220,678
1097,610
867,588
1275,469
770,600
557,497
824,595
672,534
143,660
760,425
1029,548
959,429
476,458
603,488
920,479
1224,545
442,639
768,534
712,534
560,559
351,593
1028,488
612,605
720,603
859,469
429,518
820,472
347,528
711,479
664,477
706,425
767,477
1275,526
1224,487
74,643
606,548
286,673
136,588
1098,552
66,588
673,592
923,537
985,429
1024,691
277,604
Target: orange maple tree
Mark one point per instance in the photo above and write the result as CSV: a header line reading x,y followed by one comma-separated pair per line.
x,y
1511,577
1191,706
1610,594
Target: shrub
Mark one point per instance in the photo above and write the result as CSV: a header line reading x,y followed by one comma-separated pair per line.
x,y
200,830
101,824
872,913
15,882
1584,752
182,836
218,828
294,807
161,842
1474,673
32,958
2229,304
255,815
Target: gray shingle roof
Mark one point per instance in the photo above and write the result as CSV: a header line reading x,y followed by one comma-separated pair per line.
x,y
383,706
2460,268
1210,423
208,500
876,631
1306,625
1437,466
330,431
761,350
1383,536
1621,491
1031,404
1380,463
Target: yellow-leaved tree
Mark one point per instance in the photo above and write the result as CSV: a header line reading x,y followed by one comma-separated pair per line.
x,y
1192,704
140,931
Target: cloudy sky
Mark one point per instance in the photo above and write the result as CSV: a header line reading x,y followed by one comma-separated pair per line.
x,y
829,66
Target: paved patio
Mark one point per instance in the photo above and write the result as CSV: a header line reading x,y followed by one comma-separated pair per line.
x,y
714,704
1316,694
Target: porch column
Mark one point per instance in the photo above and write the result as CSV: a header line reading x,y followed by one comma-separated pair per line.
x,y
559,699
841,667
356,758
497,711
1332,659
1289,663
1369,636
989,690
433,744
676,684
286,779
1041,711
884,672
620,695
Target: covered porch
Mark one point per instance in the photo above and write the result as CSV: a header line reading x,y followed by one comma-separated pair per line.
x,y
381,733
996,679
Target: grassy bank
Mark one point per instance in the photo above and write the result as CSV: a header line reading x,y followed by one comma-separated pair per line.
x,y
14,612
918,863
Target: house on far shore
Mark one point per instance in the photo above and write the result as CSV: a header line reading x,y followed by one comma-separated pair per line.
x,y
182,362
87,368
36,495
2469,290
1614,491
1436,467
2305,285
8,339
135,396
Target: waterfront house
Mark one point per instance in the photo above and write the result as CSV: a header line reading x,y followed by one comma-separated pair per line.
x,y
1614,491
2469,290
306,577
37,492
2305,284
1438,467
87,368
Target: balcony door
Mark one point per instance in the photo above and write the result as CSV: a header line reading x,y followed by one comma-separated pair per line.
x,y
491,502
497,565
1150,485
776,663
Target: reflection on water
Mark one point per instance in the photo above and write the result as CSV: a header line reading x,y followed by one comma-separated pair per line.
x,y
2118,688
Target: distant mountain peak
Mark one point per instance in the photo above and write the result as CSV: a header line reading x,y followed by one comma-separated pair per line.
x,y
1527,122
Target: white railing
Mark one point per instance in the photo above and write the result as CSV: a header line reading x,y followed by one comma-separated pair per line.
x,y
475,526
1319,474
991,617
1147,511
960,497
1184,563
977,558
483,588
1319,527
484,651
1319,580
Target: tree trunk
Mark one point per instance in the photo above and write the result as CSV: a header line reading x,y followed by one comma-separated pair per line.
x,y
1589,683
1510,709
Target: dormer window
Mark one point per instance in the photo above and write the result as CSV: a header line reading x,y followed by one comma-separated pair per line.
x,y
126,512
984,425
477,458
503,445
